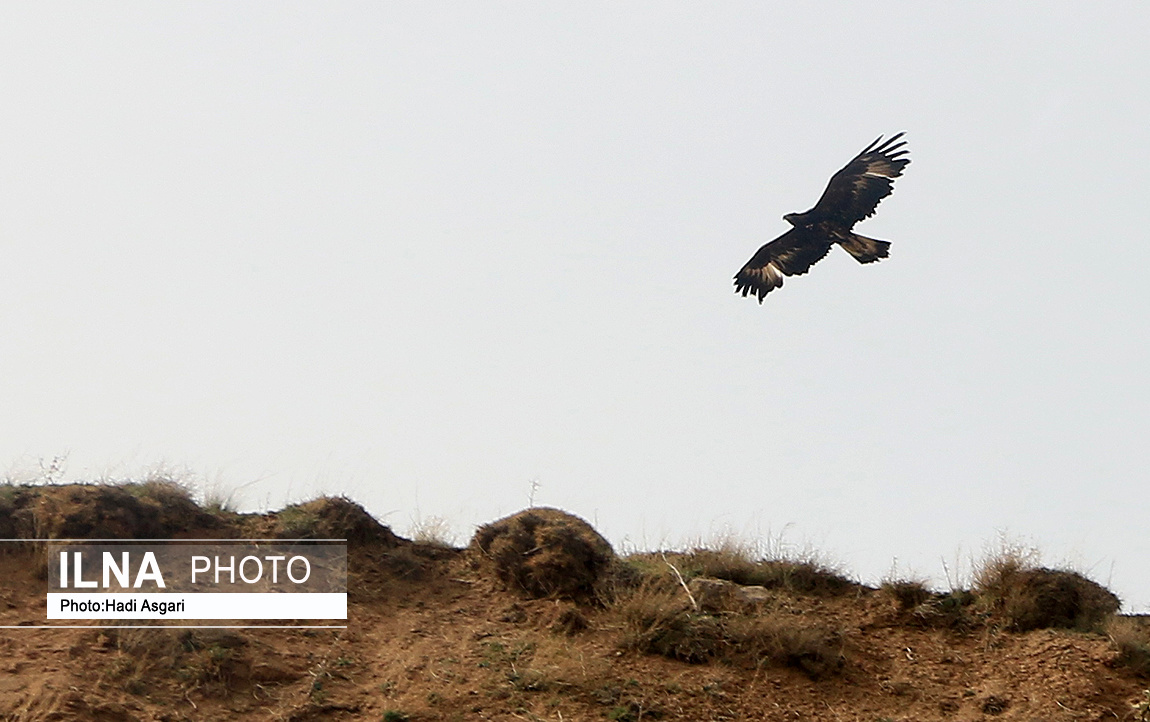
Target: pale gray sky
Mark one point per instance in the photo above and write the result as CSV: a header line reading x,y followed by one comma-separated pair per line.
x,y
425,254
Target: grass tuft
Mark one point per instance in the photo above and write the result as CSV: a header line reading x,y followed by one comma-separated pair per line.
x,y
433,531
660,619
736,563
906,594
1009,582
1132,640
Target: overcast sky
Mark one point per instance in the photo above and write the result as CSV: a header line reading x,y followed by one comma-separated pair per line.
x,y
430,254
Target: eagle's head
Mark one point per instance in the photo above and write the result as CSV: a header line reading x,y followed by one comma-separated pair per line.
x,y
792,218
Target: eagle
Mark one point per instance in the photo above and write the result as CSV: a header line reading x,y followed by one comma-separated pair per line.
x,y
852,195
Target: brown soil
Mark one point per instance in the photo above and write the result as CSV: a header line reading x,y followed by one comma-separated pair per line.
x,y
436,633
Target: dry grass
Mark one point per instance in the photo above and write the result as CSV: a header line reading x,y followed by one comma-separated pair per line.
x,y
906,594
433,531
144,660
435,641
659,618
1010,583
1132,640
915,604
993,576
743,563
545,553
139,656
661,615
331,517
298,522
557,670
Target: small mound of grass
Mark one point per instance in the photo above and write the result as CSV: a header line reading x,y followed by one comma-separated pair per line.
x,y
545,553
1010,583
906,594
332,517
660,620
133,510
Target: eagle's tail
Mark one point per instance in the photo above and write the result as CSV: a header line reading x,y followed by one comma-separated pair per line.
x,y
865,250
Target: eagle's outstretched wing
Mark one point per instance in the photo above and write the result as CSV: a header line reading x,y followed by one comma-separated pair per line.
x,y
791,254
855,191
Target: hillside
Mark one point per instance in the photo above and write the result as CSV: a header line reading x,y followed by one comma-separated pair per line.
x,y
539,620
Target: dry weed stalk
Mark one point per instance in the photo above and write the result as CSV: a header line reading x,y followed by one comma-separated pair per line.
x,y
682,583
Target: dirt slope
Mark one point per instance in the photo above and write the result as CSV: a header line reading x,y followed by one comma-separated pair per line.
x,y
438,634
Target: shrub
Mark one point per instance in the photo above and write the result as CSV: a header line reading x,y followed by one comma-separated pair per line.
x,y
1031,597
545,553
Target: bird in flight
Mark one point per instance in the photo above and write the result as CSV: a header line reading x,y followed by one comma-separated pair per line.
x,y
852,195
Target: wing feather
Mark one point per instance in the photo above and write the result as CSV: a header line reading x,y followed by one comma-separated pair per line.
x,y
855,191
791,254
